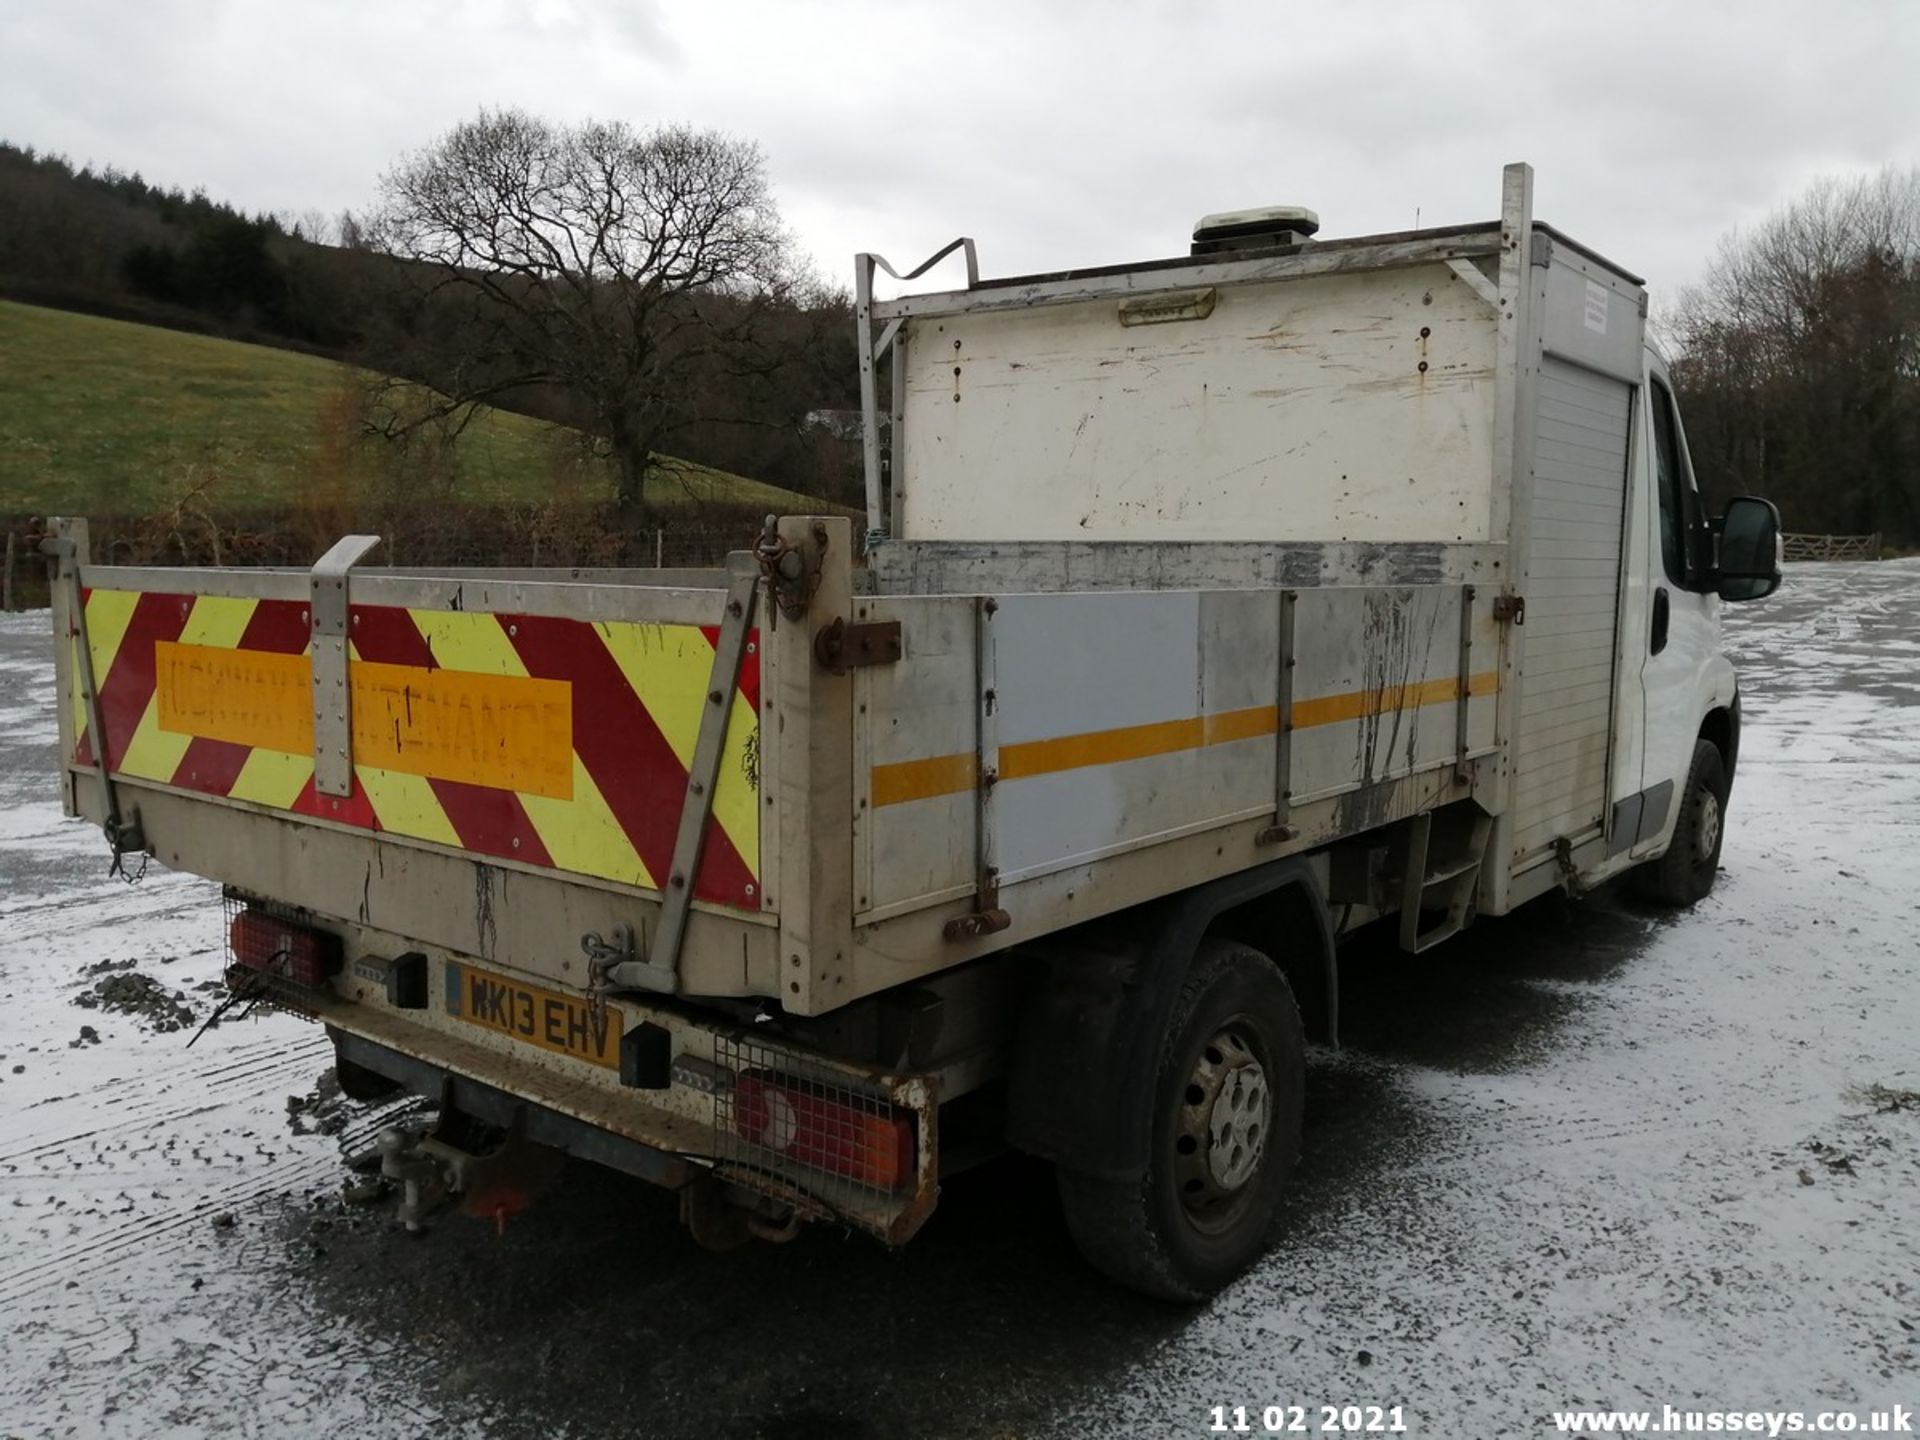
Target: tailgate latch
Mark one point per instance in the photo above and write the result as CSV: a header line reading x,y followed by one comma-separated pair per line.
x,y
1510,609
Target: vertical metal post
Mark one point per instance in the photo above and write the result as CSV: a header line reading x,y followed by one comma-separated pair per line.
x,y
1282,827
1517,351
69,547
65,545
807,725
869,398
6,578
986,756
987,917
1461,771
896,436
332,696
73,655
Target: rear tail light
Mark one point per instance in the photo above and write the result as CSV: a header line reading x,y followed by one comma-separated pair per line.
x,y
282,950
867,1142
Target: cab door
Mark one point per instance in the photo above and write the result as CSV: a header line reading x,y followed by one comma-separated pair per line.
x,y
1681,615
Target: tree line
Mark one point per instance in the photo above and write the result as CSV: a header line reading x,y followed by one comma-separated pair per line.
x,y
1797,360
634,288
637,287
109,242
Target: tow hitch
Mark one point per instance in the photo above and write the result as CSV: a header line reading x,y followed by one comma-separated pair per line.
x,y
435,1168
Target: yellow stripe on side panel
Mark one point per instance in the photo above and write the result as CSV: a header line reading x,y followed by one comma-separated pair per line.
x,y
1226,726
923,779
669,668
907,780
1332,709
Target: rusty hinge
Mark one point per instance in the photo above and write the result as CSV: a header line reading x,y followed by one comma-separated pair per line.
x,y
1510,609
980,922
841,647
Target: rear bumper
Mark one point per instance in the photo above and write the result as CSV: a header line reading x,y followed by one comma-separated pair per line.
x,y
543,1126
676,1131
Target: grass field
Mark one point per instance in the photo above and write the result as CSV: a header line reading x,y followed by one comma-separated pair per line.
x,y
105,416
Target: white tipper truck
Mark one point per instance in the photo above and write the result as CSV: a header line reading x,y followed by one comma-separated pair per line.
x,y
1208,608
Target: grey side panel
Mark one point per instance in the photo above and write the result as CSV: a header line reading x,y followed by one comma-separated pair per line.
x,y
1653,810
1624,830
1594,316
1574,529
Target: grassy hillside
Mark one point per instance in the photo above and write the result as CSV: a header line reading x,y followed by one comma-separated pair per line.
x,y
105,416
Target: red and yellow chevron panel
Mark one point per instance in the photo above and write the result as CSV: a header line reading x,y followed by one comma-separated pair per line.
x,y
559,743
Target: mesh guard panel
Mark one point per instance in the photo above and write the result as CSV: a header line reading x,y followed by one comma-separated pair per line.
x,y
845,1149
276,958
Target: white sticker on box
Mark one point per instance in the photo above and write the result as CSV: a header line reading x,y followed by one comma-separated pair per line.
x,y
1596,307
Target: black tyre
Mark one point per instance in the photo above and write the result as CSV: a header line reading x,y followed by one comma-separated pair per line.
x,y
1687,871
1225,1136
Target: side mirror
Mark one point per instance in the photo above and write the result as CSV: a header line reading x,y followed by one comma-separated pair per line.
x,y
1750,550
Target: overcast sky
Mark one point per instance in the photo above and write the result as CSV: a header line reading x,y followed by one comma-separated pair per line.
x,y
1058,132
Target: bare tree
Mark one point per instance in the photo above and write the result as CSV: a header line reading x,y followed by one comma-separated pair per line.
x,y
607,269
1798,358
310,225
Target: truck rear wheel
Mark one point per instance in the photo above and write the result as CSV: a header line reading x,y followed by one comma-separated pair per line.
x,y
1687,871
1226,1134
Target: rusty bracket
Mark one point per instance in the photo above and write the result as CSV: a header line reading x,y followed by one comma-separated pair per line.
x,y
841,647
1510,609
980,922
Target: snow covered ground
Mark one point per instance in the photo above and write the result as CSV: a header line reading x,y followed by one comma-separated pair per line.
x,y
1589,1156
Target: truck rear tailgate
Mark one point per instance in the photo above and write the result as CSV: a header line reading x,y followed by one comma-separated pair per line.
x,y
497,733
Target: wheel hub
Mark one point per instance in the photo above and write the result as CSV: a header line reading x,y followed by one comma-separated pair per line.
x,y
1707,832
1226,1113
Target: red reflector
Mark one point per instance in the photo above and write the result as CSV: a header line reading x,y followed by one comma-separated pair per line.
x,y
875,1147
290,952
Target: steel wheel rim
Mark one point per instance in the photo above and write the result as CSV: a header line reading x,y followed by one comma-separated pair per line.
x,y
1225,1118
1706,836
